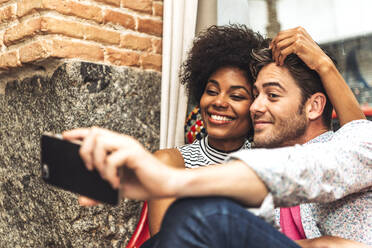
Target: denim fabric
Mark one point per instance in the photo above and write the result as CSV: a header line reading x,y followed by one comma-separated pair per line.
x,y
215,222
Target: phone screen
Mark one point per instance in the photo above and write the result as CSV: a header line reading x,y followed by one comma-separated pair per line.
x,y
62,166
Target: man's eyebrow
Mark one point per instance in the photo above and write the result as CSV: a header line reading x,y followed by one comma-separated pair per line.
x,y
275,84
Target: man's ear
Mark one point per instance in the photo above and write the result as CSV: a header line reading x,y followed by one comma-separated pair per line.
x,y
315,105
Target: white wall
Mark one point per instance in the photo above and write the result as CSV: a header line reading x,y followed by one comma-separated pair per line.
x,y
325,20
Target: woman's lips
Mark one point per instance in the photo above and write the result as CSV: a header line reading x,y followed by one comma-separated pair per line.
x,y
219,119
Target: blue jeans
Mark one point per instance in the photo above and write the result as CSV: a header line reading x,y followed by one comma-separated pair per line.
x,y
215,222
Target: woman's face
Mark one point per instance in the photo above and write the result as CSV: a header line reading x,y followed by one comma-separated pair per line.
x,y
225,105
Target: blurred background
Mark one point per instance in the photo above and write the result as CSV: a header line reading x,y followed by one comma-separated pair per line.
x,y
340,26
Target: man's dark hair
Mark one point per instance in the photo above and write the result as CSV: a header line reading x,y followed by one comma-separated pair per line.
x,y
216,47
307,80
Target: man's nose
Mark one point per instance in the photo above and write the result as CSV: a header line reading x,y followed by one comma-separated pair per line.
x,y
257,107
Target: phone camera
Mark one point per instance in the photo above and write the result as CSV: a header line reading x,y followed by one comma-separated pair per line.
x,y
45,171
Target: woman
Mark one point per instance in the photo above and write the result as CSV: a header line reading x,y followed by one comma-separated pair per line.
x,y
216,74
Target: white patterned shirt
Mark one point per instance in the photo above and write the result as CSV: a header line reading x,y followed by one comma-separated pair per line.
x,y
332,181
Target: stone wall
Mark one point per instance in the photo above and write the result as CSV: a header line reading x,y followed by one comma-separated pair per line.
x,y
67,64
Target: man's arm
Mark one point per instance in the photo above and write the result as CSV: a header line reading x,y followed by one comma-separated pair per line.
x,y
233,179
310,173
144,177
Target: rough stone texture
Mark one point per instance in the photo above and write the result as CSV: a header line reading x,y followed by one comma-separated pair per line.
x,y
33,214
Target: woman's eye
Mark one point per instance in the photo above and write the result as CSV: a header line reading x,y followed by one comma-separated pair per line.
x,y
211,92
237,97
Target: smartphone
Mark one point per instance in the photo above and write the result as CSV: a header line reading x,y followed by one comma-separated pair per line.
x,y
62,166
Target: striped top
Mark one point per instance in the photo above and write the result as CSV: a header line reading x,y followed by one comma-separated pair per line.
x,y
199,153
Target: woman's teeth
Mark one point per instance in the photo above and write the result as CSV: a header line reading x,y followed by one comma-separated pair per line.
x,y
221,118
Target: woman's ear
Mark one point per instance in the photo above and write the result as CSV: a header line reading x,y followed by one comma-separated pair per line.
x,y
315,105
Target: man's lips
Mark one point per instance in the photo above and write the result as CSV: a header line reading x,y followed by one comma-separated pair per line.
x,y
261,124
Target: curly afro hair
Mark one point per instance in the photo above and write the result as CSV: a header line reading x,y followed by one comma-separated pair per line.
x,y
216,47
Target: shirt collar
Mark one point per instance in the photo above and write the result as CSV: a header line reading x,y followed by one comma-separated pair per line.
x,y
324,137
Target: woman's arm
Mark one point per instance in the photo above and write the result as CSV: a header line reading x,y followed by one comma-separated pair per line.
x,y
157,208
330,242
299,42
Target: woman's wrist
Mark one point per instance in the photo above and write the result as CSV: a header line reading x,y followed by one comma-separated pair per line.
x,y
325,66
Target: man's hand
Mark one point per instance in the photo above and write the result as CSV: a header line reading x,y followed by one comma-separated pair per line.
x,y
143,176
299,42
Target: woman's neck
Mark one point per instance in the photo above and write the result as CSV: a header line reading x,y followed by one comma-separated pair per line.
x,y
226,145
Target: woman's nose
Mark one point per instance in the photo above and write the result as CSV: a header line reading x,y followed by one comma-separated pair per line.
x,y
221,101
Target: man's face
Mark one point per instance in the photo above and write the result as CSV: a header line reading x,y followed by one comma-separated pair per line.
x,y
277,113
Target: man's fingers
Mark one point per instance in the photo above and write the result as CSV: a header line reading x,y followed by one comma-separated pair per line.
x,y
113,162
76,134
86,149
87,202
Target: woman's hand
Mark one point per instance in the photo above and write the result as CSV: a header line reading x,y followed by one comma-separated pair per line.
x,y
330,242
142,175
299,42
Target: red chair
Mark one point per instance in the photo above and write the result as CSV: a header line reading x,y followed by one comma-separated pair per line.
x,y
141,234
194,129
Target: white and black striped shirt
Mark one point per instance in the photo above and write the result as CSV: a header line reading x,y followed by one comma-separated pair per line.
x,y
199,153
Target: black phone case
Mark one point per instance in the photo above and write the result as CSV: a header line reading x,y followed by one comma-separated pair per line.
x,y
63,167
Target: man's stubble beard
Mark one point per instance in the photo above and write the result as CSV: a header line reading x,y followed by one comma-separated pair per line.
x,y
286,131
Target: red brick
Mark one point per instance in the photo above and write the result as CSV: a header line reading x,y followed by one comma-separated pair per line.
x,y
26,6
150,26
157,45
7,13
102,35
122,58
123,19
79,30
9,59
157,9
56,26
112,2
138,5
22,30
86,11
34,51
136,42
151,61
75,49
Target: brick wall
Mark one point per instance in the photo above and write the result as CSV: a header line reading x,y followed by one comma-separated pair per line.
x,y
113,32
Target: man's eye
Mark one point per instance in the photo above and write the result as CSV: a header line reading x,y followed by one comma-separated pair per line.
x,y
272,95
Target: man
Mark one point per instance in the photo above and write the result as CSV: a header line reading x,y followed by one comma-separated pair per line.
x,y
332,172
